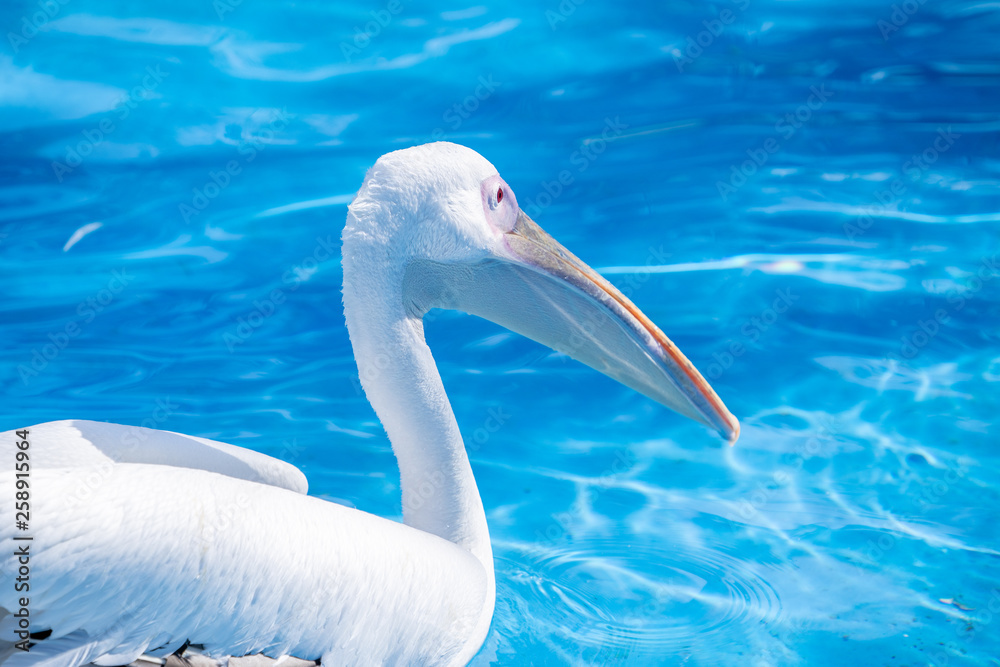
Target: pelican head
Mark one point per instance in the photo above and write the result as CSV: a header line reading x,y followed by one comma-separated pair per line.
x,y
437,227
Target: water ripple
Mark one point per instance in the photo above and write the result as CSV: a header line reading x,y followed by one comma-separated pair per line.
x,y
621,599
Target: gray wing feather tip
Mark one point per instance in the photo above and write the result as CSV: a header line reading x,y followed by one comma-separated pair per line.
x,y
190,659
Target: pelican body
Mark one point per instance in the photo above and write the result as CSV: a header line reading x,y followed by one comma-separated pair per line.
x,y
147,542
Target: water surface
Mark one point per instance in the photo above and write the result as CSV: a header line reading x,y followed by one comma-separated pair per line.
x,y
803,195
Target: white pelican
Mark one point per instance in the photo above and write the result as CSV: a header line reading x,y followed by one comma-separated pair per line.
x,y
146,542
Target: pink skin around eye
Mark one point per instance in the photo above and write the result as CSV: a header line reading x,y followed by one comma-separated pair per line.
x,y
499,204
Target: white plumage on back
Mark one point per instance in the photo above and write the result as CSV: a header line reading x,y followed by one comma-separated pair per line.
x,y
79,443
152,555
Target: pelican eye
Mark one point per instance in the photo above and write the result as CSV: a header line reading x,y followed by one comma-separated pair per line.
x,y
499,195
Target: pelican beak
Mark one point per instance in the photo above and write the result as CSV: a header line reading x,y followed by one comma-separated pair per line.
x,y
542,291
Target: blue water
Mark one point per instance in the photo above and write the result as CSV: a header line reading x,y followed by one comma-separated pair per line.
x,y
164,169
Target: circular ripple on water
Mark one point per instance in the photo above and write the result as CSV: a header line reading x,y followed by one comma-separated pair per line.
x,y
614,599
